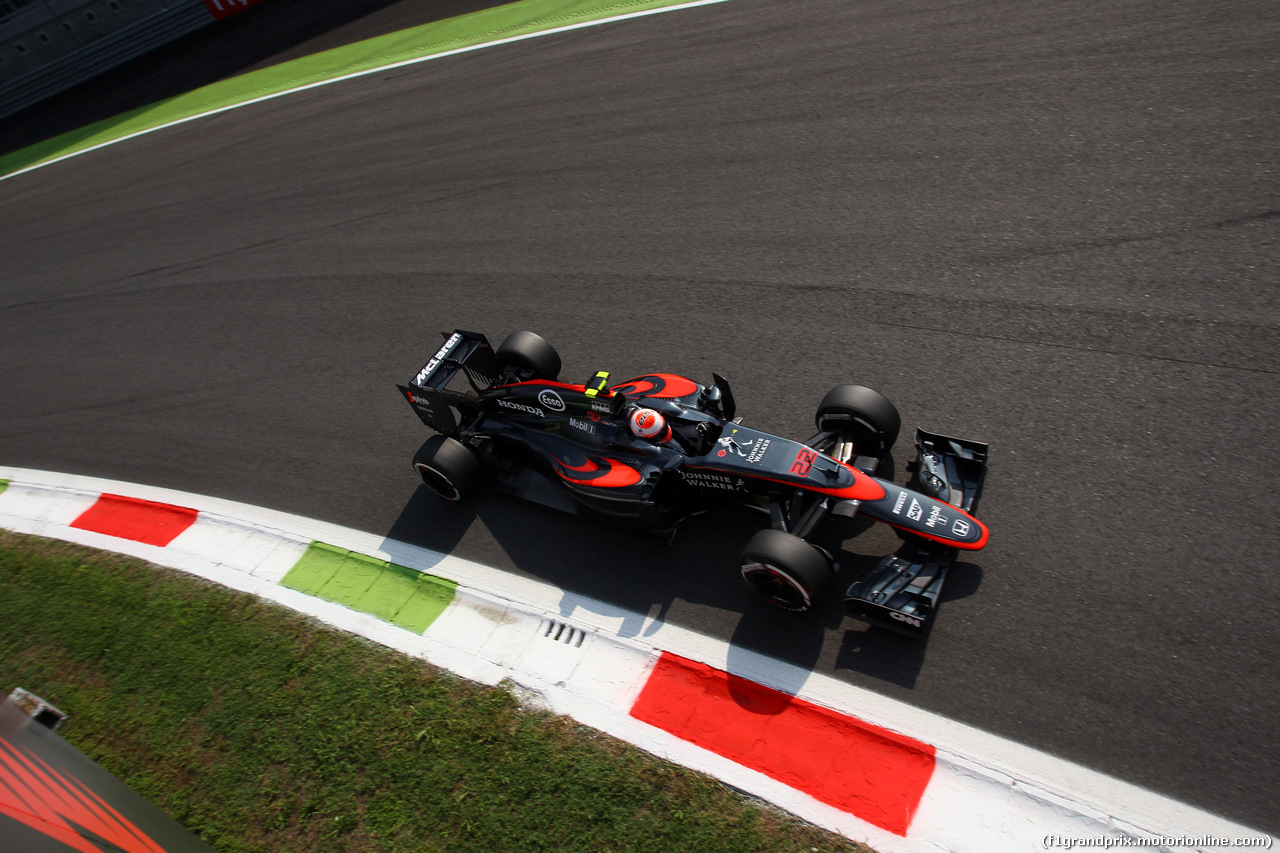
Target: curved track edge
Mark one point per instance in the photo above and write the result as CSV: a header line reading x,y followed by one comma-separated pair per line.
x,y
871,768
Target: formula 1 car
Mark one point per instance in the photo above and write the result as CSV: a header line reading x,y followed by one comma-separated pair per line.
x,y
658,448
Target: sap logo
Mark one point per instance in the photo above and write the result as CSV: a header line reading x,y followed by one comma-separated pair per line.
x,y
915,512
551,400
436,359
910,620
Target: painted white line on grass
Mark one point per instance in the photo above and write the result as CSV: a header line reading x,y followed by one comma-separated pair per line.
x,y
381,68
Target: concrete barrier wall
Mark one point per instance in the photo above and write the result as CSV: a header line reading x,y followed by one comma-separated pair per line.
x,y
47,46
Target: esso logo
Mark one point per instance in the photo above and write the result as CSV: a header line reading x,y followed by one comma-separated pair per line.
x,y
551,400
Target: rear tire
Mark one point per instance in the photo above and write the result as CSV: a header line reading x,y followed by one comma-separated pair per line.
x,y
529,351
448,468
867,416
786,570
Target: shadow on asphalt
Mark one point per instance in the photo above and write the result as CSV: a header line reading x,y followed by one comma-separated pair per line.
x,y
612,569
430,522
272,32
888,656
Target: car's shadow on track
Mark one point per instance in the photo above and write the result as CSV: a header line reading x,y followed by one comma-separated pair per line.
x,y
427,521
613,571
608,566
611,564
887,655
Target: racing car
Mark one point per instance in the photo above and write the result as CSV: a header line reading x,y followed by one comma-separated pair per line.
x,y
656,449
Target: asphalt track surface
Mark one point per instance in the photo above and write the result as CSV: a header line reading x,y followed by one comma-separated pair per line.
x,y
1051,226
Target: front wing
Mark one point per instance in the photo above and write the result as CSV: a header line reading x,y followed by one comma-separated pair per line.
x,y
902,592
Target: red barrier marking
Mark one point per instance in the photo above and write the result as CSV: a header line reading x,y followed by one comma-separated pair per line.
x,y
56,805
862,769
226,8
139,520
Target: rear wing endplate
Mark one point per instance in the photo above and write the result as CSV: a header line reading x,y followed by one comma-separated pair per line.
x,y
949,469
428,393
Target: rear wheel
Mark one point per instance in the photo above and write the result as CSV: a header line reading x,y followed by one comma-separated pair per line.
x,y
530,352
866,416
448,468
785,569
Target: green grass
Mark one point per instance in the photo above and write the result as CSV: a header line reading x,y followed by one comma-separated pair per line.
x,y
260,729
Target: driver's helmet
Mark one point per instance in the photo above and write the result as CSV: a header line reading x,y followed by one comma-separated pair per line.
x,y
646,423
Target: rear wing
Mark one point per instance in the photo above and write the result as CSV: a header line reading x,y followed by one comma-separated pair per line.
x,y
428,391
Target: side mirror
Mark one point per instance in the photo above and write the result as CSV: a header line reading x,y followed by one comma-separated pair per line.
x,y
727,406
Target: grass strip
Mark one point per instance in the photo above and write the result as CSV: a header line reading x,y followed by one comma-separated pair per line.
x,y
523,18
259,729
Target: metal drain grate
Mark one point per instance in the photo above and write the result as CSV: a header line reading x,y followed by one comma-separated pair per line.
x,y
563,632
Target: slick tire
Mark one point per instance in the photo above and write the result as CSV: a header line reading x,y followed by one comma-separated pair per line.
x,y
786,570
448,468
529,351
867,416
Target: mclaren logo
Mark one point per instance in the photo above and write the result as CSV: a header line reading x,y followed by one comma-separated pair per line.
x,y
435,359
551,400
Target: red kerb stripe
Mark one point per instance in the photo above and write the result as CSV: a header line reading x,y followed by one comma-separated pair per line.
x,y
862,769
131,518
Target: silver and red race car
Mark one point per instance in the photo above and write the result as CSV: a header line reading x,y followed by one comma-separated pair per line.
x,y
658,448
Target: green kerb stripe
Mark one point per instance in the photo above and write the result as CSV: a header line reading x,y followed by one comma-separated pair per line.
x,y
390,592
4,484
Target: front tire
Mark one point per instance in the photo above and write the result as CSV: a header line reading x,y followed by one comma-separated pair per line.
x,y
448,468
866,416
786,570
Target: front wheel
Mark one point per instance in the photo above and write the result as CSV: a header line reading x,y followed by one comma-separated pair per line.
x,y
448,468
785,569
867,416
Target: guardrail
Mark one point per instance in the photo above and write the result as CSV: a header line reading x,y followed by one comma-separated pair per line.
x,y
47,46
